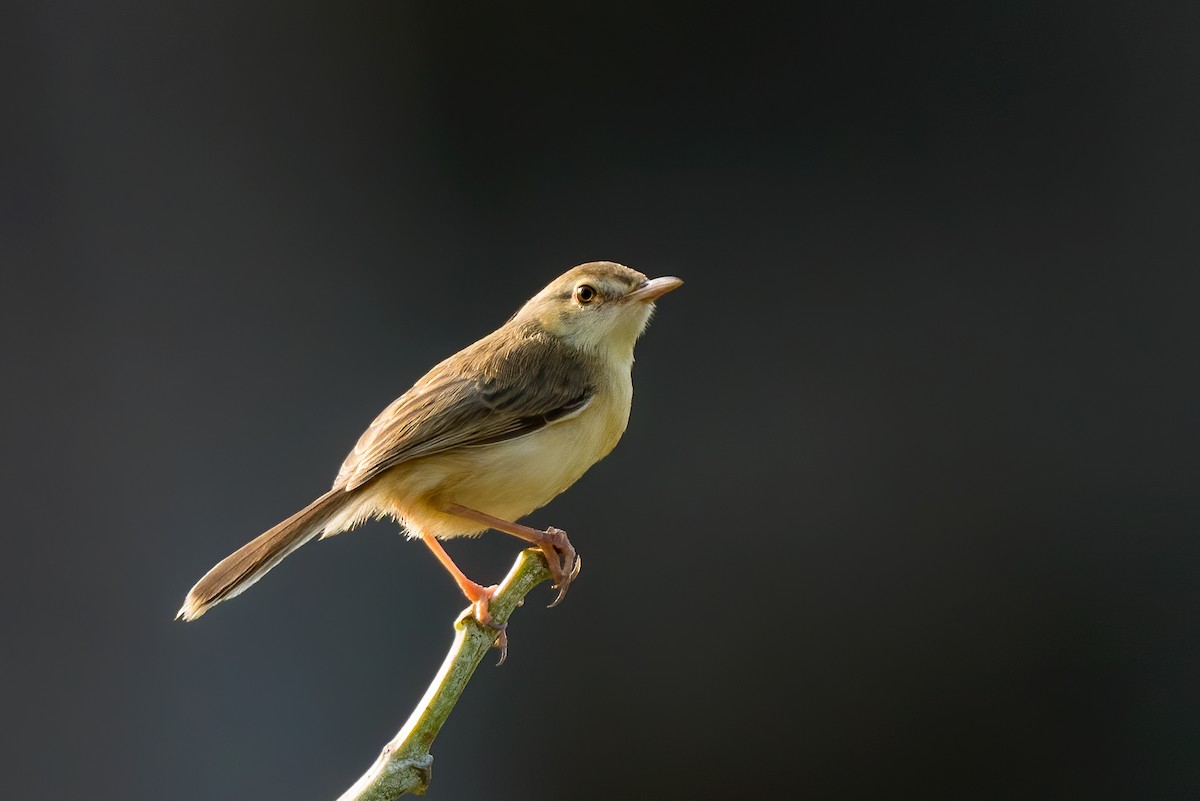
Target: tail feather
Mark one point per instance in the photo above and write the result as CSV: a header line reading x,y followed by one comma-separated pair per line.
x,y
235,573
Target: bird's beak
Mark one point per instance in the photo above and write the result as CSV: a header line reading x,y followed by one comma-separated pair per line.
x,y
655,288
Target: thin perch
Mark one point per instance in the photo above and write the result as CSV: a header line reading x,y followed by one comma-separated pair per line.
x,y
404,765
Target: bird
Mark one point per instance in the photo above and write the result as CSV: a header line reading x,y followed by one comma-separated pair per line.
x,y
484,438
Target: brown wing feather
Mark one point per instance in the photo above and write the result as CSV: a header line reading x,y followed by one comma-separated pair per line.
x,y
503,386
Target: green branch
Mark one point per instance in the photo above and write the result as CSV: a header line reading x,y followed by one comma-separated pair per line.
x,y
404,765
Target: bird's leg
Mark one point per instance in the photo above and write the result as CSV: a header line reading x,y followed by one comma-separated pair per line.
x,y
477,594
560,554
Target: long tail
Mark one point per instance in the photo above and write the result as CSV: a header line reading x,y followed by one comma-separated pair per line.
x,y
235,573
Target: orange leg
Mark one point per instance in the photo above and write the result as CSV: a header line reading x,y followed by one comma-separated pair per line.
x,y
477,594
564,562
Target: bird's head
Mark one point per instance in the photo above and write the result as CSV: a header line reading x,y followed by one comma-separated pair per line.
x,y
597,305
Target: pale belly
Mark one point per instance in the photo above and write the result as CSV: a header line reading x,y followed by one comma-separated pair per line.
x,y
506,479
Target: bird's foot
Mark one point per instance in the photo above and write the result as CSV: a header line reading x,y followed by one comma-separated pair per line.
x,y
480,611
562,559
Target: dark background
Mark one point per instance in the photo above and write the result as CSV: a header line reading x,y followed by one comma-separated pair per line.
x,y
907,506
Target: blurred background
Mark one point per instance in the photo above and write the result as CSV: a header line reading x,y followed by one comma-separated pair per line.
x,y
907,504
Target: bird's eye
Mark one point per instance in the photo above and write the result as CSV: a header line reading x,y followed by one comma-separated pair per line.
x,y
585,293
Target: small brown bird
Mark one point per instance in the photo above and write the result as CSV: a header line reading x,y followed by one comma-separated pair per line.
x,y
484,438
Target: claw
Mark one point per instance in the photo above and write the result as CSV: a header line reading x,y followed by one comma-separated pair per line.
x,y
501,630
483,616
502,644
561,559
564,567
565,583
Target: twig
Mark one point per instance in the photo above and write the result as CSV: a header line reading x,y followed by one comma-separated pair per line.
x,y
404,765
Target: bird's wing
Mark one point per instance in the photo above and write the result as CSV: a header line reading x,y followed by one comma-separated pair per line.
x,y
488,393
